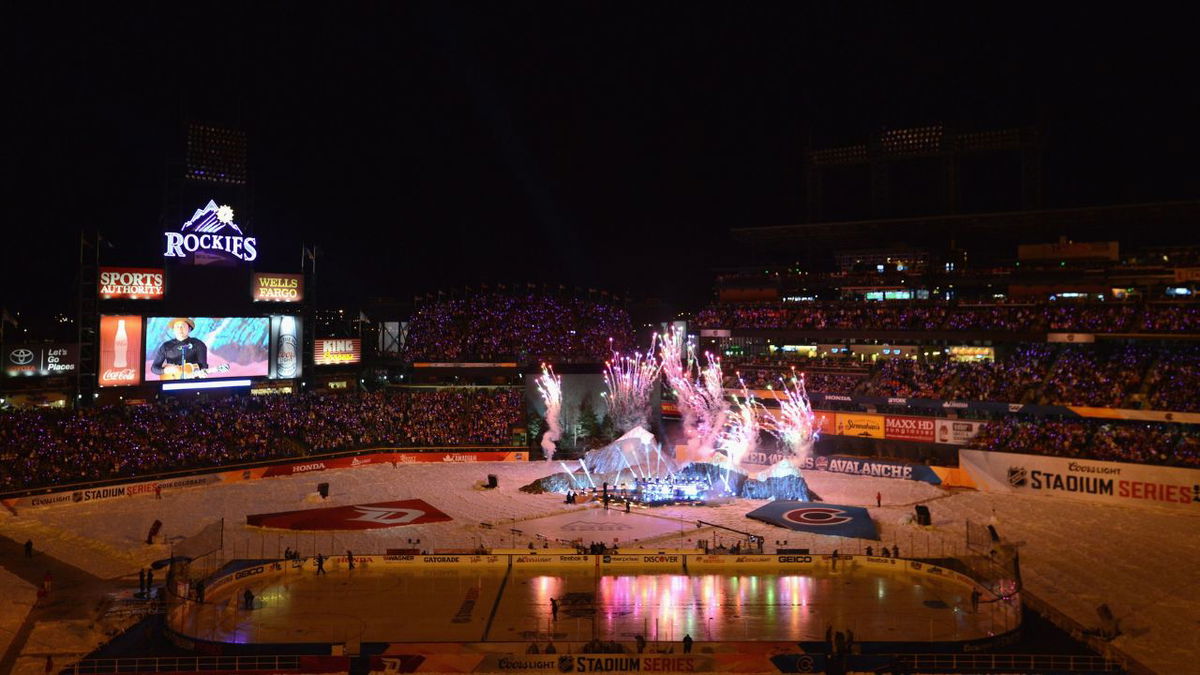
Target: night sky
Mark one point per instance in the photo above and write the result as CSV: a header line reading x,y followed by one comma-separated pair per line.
x,y
604,144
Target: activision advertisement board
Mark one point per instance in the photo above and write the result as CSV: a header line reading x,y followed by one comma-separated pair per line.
x,y
132,283
183,348
120,351
286,348
40,360
1081,479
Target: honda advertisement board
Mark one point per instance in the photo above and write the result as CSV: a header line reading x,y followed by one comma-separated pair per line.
x,y
40,360
338,352
131,283
120,351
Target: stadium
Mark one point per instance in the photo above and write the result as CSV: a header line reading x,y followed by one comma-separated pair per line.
x,y
872,484
593,380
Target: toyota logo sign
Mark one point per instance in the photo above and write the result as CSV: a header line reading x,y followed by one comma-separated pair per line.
x,y
21,357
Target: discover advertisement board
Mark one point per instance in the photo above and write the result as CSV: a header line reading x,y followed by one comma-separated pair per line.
x,y
120,351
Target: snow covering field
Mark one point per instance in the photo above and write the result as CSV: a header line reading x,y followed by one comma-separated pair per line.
x,y
1075,555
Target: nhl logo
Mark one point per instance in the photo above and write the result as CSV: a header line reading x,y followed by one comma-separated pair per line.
x,y
1017,476
566,664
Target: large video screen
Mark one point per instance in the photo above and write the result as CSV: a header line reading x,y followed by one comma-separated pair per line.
x,y
184,348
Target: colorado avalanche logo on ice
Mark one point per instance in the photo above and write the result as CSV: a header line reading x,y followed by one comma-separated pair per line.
x,y
817,515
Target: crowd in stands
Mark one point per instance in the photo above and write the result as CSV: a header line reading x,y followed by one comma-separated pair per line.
x,y
1136,375
527,328
1040,317
1168,444
47,447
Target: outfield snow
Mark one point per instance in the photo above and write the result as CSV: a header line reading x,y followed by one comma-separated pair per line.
x,y
1140,561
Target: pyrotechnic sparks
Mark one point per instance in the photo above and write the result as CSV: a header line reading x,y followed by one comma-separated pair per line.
x,y
740,434
699,393
794,423
630,381
549,386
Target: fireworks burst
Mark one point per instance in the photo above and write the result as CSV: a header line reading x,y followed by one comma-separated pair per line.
x,y
549,386
630,381
794,423
699,393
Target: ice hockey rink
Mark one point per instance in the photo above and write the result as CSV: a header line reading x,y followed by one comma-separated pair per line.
x,y
386,604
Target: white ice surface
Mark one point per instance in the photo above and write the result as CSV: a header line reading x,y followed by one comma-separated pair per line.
x,y
1140,561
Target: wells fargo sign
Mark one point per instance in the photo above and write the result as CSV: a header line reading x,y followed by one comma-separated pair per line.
x,y
131,283
278,287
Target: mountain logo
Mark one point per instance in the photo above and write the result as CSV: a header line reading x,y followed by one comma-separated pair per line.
x,y
211,219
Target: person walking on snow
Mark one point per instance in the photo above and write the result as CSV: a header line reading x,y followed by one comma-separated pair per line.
x,y
320,564
878,499
554,609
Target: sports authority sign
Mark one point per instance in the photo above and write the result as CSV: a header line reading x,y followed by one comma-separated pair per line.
x,y
357,517
131,283
1087,480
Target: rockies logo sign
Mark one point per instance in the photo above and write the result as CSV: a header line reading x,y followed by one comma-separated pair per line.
x,y
817,515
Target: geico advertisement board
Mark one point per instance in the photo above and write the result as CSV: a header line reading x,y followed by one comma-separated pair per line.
x,y
1082,479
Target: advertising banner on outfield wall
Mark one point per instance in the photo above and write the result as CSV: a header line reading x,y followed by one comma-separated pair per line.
x,y
898,428
866,426
957,432
1086,480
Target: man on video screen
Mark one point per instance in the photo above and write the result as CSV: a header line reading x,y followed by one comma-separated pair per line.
x,y
182,356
